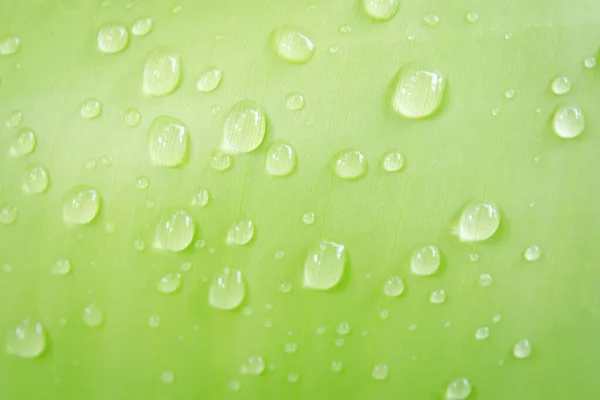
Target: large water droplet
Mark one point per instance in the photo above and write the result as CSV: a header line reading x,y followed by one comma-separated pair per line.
x,y
81,205
168,141
380,372
169,283
280,159
350,164
291,45
209,80
393,161
522,349
227,290
478,221
93,315
8,214
132,117
112,38
425,260
568,121
26,340
381,10
532,253
561,85
244,128
174,231
241,232
418,91
36,179
14,119
142,26
61,267
255,365
9,45
162,72
394,286
458,389
324,267
24,143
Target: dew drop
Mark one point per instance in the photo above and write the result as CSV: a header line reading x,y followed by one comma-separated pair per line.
x,y
154,321
185,266
472,17
336,366
291,45
36,179
8,214
285,287
91,108
132,117
343,328
384,314
380,372
14,119
509,94
425,260
90,164
9,45
485,280
532,253
221,162
61,267
293,377
324,267
24,143
308,218
568,121
393,161
418,91
497,318
169,283
227,291
590,62
280,159
320,330
431,20
241,232
437,296
350,164
560,85
168,141
381,10
394,286
458,389
209,80
174,231
234,385
482,333
478,222
522,349
162,72
215,110
255,365
142,26
142,183
200,198
26,340
345,29
167,377
244,128
339,342
291,348
81,205
295,101
112,39
93,315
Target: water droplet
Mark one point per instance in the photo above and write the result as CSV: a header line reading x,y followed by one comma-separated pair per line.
x,y
343,328
291,347
254,366
381,10
345,29
9,45
167,377
168,141
394,286
244,128
509,94
91,108
209,80
177,9
142,183
169,283
26,340
497,318
241,232
324,267
221,162
142,26
295,101
590,62
162,72
350,164
285,287
24,143
268,323
81,205
320,330
425,260
458,389
215,110
339,342
568,121
485,280
61,267
532,253
482,333
418,91
247,310
185,266
522,349
8,214
280,159
478,221
200,198
112,38
154,321
293,377
110,227
393,161
437,296
495,111
14,119
132,117
93,315
308,218
106,161
90,164
227,290
508,36
380,372
174,231
291,45
336,366
36,179
384,314
472,17
234,385
431,19
333,49
561,85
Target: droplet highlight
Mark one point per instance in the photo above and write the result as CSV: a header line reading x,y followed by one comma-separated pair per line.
x,y
209,80
280,159
478,222
241,232
394,286
568,121
36,179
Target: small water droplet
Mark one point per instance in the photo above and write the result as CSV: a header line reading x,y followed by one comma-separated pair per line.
x,y
568,121
495,111
320,330
532,253
154,321
336,366
268,323
425,260
174,231
393,161
472,17
255,365
394,286
200,198
333,49
339,342
280,159
185,266
169,283
292,45
8,214
380,372
36,179
14,119
247,310
478,222
308,218
295,101
93,315
241,232
522,349
168,141
227,291
474,257
418,91
91,108
221,162
142,26
7,267
482,333
458,389
497,318
431,20
112,39
215,110
142,183
384,314
509,94
324,267
167,377
381,10
81,205
285,287
345,29
437,296
209,80
485,280
24,143
90,164
26,340
560,85
291,348
177,9
132,117
508,36
293,377
590,62
61,267
234,385
244,128
9,45
350,164
162,72
106,161
343,328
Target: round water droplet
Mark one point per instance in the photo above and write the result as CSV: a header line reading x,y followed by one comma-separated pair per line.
x,y
418,91
472,17
142,183
209,80
381,10
215,110
431,19
254,366
393,161
280,159
590,62
185,266
308,218
244,128
168,141
458,389
497,318
91,108
14,119
93,315
167,377
291,45
339,342
132,117
169,283
350,164
8,214
336,366
106,161
61,267
437,296
112,38
142,26
568,121
285,287
293,377
394,286
509,94
174,231
154,321
162,72
36,179
81,205
324,267
343,328
485,280
26,340
90,164
380,372
241,232
478,221
295,101
320,330
522,349
482,333
425,260
291,348
200,198
24,143
227,291
139,244
532,253
221,162
561,85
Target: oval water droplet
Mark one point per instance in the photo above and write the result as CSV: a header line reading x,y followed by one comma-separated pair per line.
x,y
350,164
168,141
336,366
81,205
418,91
174,231
381,10
162,72
244,128
91,108
308,218
482,333
26,340
280,159
142,183
380,372
221,162
295,101
227,291
522,349
324,267
132,117
532,253
36,179
561,85
343,328
458,389
24,143
472,17
425,260
154,321
200,198
112,39
568,121
292,45
394,286
142,26
8,214
431,20
139,244
209,80
93,315
485,280
61,267
14,119
241,232
169,283
255,365
393,161
478,222
590,62
437,296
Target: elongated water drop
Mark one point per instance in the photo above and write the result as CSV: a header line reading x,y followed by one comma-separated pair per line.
x,y
26,340
24,143
168,141
324,267
112,39
425,260
292,45
478,222
162,72
8,214
381,10
93,315
174,231
36,179
280,159
458,389
350,164
227,290
522,349
241,232
394,286
81,205
255,365
418,91
244,128
568,121
169,283
209,80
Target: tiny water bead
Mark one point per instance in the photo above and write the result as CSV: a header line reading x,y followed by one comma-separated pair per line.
x,y
425,260
154,321
168,141
295,101
418,91
142,26
292,45
381,10
568,121
496,318
26,340
478,222
458,389
93,315
167,377
61,267
482,333
112,39
255,365
324,267
200,198
522,349
380,372
241,232
308,218
209,80
280,159
431,20
291,348
174,231
485,280
91,108
509,94
8,214
162,72
437,296
532,253
90,164
14,119
472,17
169,283
142,183
343,328
339,342
394,286
293,377
221,162
393,161
336,366
9,45
590,62
560,85
36,179
24,143
132,117
350,164
227,291
244,128
285,287
81,205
